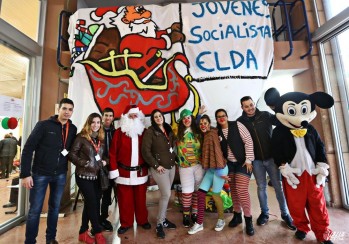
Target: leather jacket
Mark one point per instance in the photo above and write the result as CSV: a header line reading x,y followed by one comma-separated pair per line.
x,y
82,155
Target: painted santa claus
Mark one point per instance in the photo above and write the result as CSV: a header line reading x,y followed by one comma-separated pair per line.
x,y
129,170
141,39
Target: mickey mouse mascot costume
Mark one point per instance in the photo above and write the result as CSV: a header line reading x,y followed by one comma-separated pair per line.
x,y
300,155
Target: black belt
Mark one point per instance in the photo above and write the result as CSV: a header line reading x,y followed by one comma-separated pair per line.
x,y
149,62
134,168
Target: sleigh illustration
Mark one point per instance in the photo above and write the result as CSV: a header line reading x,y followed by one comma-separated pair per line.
x,y
117,88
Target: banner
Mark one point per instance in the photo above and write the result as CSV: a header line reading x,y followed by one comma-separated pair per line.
x,y
169,57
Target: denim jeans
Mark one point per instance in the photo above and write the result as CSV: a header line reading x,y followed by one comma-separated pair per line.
x,y
260,168
36,200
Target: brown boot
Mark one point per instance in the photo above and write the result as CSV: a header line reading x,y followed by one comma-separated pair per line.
x,y
85,237
100,239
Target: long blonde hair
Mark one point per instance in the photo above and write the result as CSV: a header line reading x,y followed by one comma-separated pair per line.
x,y
87,131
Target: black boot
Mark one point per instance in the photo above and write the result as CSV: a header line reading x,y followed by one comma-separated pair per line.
x,y
300,235
249,226
194,218
236,220
186,220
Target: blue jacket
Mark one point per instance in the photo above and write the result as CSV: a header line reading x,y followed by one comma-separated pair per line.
x,y
46,141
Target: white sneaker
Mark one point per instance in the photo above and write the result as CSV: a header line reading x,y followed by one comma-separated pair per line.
x,y
220,225
195,228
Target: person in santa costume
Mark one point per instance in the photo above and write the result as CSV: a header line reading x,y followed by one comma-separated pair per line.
x,y
300,154
128,169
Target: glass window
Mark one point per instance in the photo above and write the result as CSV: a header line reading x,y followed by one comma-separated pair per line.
x,y
332,8
343,39
13,76
336,73
23,15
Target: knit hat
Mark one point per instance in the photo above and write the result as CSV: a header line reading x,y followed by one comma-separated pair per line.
x,y
184,113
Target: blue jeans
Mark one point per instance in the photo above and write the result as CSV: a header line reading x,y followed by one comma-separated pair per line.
x,y
260,168
36,200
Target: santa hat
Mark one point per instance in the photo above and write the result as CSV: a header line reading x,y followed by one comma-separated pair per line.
x,y
98,14
131,109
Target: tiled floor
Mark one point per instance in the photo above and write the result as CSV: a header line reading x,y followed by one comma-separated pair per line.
x,y
6,187
273,232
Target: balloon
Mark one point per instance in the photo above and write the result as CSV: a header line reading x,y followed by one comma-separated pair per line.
x,y
4,123
12,123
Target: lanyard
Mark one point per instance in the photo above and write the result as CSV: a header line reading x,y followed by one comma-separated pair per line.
x,y
96,146
164,131
64,138
108,136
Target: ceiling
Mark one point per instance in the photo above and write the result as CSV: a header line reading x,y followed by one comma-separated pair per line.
x,y
13,69
13,66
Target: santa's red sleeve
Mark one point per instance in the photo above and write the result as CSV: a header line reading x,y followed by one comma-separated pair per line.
x,y
165,36
113,155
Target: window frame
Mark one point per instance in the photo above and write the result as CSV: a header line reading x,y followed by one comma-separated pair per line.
x,y
329,32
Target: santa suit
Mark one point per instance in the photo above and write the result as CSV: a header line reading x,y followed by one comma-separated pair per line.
x,y
131,173
303,153
150,62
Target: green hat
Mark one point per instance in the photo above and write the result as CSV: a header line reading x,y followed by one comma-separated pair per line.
x,y
184,113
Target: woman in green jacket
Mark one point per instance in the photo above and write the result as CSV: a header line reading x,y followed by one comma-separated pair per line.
x,y
158,151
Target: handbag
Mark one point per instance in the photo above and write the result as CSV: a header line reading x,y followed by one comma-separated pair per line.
x,y
103,178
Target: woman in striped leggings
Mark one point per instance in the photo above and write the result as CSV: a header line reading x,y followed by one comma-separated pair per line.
x,y
216,174
237,147
189,162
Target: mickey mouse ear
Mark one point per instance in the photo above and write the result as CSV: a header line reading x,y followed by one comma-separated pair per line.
x,y
271,96
322,99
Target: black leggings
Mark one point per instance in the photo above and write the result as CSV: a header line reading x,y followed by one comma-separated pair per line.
x,y
106,201
92,195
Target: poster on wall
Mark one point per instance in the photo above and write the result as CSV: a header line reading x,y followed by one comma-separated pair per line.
x,y
10,106
169,57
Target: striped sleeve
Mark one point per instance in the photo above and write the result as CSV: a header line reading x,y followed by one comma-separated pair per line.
x,y
247,140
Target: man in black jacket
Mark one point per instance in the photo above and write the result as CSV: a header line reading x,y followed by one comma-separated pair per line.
x,y
259,124
51,141
109,129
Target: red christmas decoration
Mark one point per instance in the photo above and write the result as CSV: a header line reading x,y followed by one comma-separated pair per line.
x,y
12,123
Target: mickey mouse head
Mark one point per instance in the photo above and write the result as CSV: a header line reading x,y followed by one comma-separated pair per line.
x,y
296,109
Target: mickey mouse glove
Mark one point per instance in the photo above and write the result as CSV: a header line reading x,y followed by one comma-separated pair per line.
x,y
289,174
321,172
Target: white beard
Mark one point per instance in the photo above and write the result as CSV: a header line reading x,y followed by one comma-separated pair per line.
x,y
132,127
147,30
